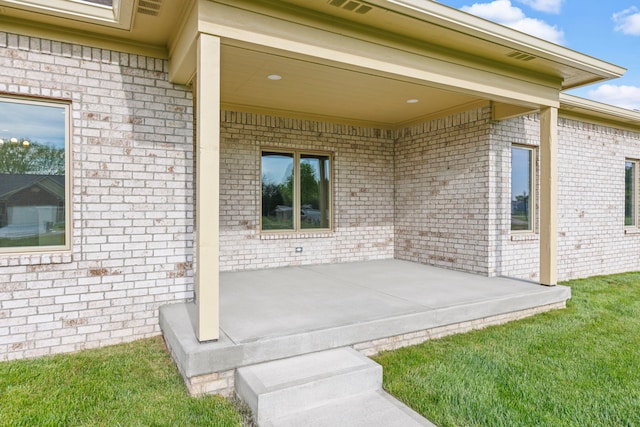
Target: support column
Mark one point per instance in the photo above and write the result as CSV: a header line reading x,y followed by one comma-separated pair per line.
x,y
549,196
207,278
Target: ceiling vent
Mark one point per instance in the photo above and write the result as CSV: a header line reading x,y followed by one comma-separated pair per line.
x,y
149,7
521,56
351,6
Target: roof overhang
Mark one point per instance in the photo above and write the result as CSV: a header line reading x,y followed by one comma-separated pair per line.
x,y
119,15
596,112
351,64
341,64
455,29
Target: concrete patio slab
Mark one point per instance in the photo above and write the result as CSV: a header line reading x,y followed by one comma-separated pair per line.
x,y
278,313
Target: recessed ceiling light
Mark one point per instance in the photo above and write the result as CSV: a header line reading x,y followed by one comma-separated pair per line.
x,y
412,101
274,77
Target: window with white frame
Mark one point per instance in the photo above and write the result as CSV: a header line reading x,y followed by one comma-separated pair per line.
x,y
522,188
631,193
34,190
296,190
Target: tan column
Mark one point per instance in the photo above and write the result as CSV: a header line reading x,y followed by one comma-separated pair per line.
x,y
208,188
549,196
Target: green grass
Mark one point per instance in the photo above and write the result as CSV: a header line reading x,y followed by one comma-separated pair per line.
x,y
573,367
133,384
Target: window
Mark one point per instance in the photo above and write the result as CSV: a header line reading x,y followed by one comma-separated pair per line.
x,y
631,192
33,175
296,182
522,188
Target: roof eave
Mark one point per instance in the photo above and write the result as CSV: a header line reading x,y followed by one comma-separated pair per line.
x,y
595,70
574,105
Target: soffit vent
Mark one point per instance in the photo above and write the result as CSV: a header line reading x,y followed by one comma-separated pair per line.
x,y
521,56
351,6
149,7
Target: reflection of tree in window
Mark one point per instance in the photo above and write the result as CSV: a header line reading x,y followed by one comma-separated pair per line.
x,y
314,191
277,191
24,157
284,192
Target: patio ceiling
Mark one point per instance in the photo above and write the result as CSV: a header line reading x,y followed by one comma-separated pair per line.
x,y
307,87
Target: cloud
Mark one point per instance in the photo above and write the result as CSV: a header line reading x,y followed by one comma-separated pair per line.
x,y
37,123
547,6
504,13
628,21
618,95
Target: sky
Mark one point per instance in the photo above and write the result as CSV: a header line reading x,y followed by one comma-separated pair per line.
x,y
605,29
37,123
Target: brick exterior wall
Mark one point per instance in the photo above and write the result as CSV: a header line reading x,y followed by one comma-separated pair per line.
x,y
437,193
132,201
443,210
363,190
516,255
592,238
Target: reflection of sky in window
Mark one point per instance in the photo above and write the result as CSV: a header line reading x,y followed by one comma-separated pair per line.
x,y
276,168
520,170
37,123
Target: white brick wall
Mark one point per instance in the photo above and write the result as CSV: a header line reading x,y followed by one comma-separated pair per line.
x,y
132,201
442,192
362,186
436,193
592,238
516,255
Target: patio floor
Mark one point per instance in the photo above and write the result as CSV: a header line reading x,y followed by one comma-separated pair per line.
x,y
277,313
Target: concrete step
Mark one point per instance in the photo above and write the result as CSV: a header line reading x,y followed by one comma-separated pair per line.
x,y
284,387
328,388
371,409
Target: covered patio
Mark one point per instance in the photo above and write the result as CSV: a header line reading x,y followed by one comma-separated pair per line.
x,y
364,70
277,313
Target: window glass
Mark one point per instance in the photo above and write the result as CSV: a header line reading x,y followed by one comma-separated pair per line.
x,y
277,191
630,193
521,185
314,191
32,174
296,182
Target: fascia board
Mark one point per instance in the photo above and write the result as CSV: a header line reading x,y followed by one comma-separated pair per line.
x,y
574,105
183,47
480,28
119,16
63,34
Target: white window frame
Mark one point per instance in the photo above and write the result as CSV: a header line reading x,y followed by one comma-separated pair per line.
x,y
66,105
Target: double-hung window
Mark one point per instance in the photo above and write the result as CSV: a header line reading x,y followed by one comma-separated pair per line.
x,y
523,160
34,184
296,190
631,193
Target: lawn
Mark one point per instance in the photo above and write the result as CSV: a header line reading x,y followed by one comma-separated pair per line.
x,y
573,367
133,384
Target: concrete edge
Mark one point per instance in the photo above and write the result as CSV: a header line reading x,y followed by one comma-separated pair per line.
x,y
194,358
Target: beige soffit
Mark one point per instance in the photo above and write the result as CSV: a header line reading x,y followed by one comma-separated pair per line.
x,y
432,23
477,27
120,15
597,112
140,27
